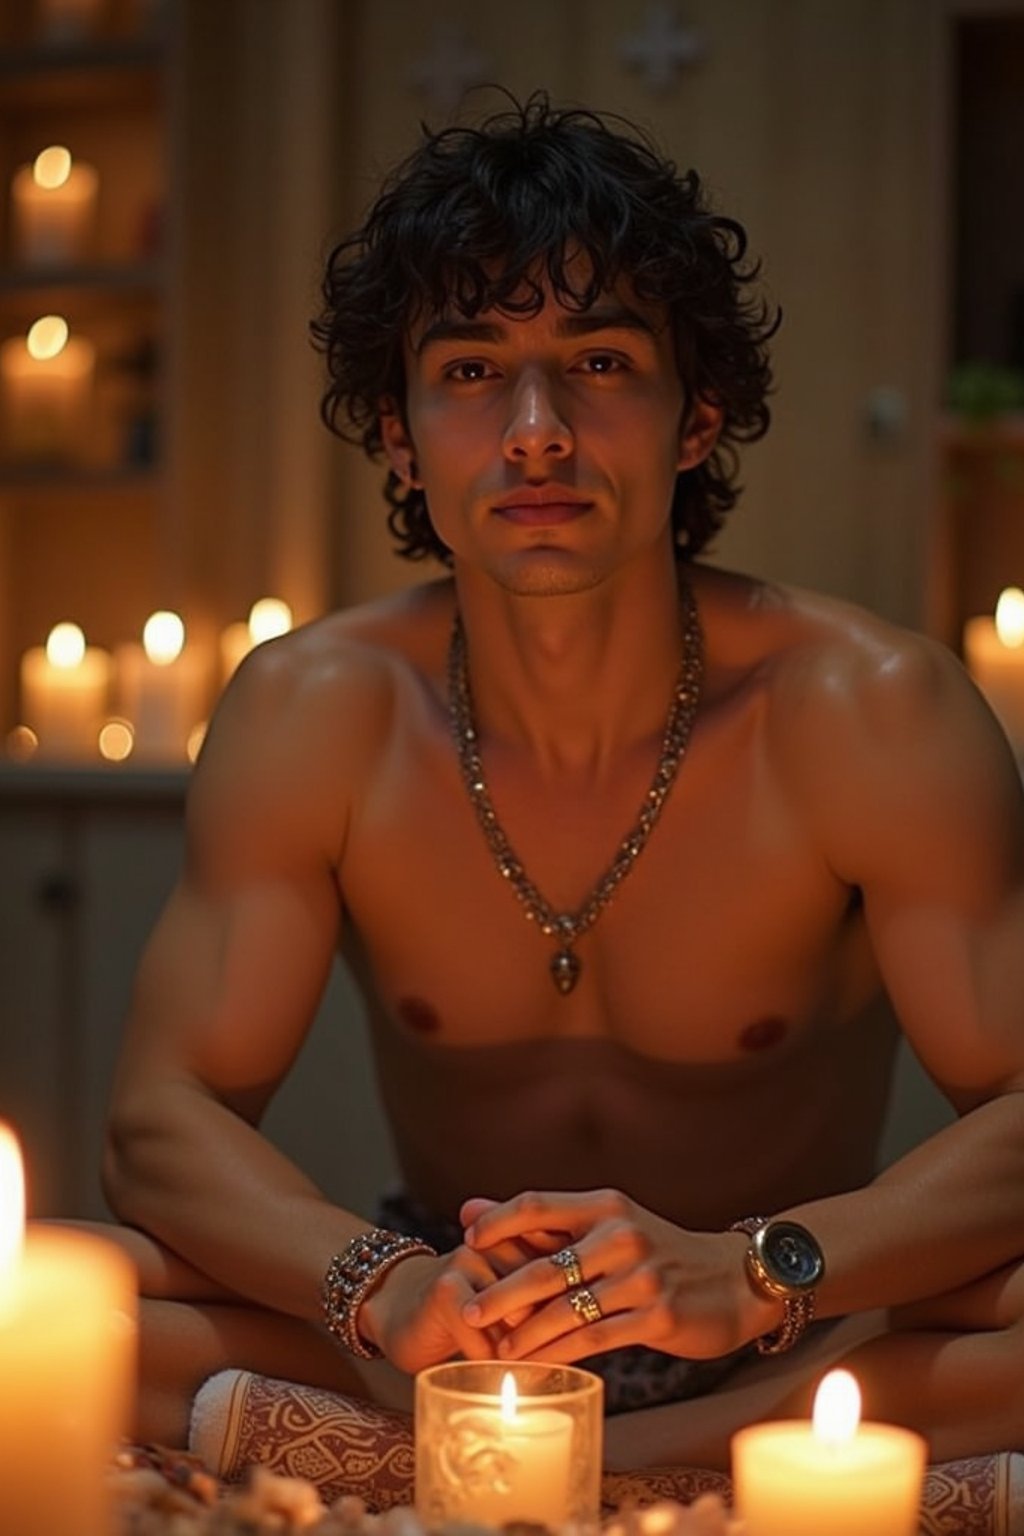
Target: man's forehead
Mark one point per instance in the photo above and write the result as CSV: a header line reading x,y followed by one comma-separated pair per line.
x,y
618,308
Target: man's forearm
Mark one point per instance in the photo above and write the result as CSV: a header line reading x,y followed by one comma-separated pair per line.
x,y
947,1213
208,1185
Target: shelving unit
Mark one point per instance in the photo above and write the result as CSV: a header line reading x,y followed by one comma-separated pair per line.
x,y
80,534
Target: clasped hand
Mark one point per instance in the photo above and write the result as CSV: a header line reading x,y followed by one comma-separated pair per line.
x,y
643,1281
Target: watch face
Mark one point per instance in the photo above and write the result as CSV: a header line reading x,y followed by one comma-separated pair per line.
x,y
791,1255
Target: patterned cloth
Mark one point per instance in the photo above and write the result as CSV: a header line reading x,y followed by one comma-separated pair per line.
x,y
634,1376
346,1446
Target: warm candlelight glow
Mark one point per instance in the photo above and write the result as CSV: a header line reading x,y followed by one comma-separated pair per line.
x,y
836,1412
268,618
508,1398
12,1204
47,337
116,740
51,167
65,646
54,201
163,637
1010,617
834,1475
67,1366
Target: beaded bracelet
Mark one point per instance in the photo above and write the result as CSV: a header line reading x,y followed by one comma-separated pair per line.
x,y
353,1274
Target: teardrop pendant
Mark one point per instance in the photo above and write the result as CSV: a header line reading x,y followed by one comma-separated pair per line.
x,y
565,970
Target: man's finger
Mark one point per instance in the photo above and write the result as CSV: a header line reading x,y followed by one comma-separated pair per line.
x,y
544,1218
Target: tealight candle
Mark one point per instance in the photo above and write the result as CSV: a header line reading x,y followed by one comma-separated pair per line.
x,y
160,688
64,693
268,618
994,653
46,378
67,1366
835,1475
53,205
496,1444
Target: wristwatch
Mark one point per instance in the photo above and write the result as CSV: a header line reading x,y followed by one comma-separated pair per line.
x,y
784,1263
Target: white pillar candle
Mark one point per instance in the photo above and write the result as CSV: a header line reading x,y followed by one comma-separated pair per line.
x,y
46,383
160,686
67,1367
53,208
834,1476
994,653
496,1444
64,687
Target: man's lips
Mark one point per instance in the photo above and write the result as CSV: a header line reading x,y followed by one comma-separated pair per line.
x,y
541,506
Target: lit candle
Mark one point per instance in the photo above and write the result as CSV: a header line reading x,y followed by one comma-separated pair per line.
x,y
268,617
53,204
994,653
46,379
160,688
64,693
513,1455
67,1366
835,1475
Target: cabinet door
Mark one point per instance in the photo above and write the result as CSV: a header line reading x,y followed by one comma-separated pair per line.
x,y
37,1090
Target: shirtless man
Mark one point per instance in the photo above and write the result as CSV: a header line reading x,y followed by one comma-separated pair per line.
x,y
555,345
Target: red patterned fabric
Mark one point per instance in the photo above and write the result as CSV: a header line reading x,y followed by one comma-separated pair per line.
x,y
344,1445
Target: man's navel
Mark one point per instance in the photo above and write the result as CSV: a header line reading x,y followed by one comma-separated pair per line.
x,y
763,1034
418,1015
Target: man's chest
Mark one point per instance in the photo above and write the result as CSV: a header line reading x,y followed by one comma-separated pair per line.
x,y
726,934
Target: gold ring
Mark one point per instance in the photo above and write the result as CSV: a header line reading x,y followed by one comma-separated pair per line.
x,y
585,1304
568,1261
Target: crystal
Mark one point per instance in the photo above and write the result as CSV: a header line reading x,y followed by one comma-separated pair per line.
x,y
565,970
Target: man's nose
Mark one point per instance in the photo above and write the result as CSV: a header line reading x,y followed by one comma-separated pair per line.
x,y
537,427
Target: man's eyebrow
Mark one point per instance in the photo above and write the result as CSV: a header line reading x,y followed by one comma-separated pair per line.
x,y
586,323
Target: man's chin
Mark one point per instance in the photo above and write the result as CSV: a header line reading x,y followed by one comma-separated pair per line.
x,y
547,573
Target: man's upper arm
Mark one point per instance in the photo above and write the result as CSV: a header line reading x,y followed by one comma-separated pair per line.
x,y
920,806
233,972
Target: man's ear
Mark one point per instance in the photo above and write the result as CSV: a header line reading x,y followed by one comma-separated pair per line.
x,y
398,444
700,433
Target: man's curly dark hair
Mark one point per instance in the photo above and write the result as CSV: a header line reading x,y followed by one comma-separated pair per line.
x,y
480,217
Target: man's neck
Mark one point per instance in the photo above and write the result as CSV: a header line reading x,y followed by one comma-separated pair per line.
x,y
574,680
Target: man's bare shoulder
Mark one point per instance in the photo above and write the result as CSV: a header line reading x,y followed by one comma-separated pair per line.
x,y
305,716
877,731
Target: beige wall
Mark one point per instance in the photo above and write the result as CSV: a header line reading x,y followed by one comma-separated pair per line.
x,y
815,123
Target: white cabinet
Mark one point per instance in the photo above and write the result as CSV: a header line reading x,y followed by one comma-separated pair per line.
x,y
87,861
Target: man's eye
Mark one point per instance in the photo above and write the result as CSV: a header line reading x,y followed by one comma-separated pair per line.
x,y
468,372
602,362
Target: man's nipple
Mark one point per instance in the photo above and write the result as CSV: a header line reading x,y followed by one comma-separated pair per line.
x,y
418,1016
763,1034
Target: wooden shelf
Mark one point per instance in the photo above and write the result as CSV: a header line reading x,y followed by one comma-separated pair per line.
x,y
110,277
42,481
105,77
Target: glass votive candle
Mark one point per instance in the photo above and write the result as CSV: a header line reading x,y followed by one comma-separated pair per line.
x,y
497,1442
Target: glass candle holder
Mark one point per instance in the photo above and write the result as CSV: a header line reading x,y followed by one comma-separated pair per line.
x,y
497,1442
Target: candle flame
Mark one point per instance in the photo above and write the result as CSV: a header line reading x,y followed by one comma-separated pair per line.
x,y
116,740
1010,617
65,646
47,337
508,1398
836,1408
12,1202
51,167
163,637
268,618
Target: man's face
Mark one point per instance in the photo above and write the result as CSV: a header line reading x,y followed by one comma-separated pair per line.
x,y
548,446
